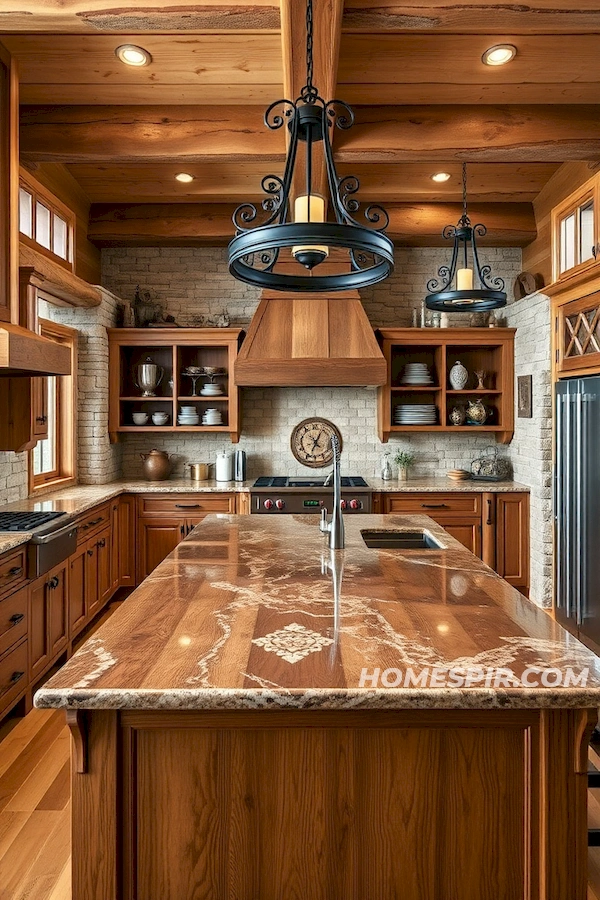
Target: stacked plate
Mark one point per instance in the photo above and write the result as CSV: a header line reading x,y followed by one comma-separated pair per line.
x,y
458,474
415,414
188,415
211,390
212,417
416,374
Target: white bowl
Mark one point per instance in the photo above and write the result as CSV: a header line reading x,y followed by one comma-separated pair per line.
x,y
188,410
160,418
140,418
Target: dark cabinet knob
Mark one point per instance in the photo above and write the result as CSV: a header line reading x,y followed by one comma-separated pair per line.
x,y
101,543
16,618
41,419
53,583
90,552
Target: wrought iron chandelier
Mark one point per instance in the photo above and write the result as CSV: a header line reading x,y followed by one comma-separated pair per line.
x,y
454,289
260,239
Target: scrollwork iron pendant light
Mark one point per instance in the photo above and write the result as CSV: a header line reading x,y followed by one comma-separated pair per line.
x,y
454,289
260,239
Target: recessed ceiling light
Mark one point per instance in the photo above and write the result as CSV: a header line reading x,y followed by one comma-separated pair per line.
x,y
132,55
184,177
441,177
499,54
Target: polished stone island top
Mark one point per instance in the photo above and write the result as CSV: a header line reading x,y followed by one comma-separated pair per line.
x,y
253,612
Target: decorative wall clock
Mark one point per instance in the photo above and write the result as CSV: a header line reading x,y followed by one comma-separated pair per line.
x,y
311,442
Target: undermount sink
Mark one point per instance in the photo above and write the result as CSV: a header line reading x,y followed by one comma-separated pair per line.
x,y
400,540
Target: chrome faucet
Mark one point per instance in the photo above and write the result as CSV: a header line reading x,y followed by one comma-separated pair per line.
x,y
335,527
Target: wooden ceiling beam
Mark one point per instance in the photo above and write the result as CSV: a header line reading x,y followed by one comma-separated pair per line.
x,y
162,134
195,224
472,133
439,16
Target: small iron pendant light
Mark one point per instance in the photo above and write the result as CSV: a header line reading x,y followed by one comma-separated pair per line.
x,y
306,241
468,288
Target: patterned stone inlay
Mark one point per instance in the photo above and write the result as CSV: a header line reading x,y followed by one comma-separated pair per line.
x,y
293,642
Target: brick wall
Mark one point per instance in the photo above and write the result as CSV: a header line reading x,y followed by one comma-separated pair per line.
x,y
531,447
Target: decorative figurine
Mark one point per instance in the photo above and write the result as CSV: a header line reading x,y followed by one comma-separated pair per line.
x,y
476,412
480,376
458,376
458,415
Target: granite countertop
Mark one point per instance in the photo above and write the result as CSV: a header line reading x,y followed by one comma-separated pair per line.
x,y
79,498
444,485
252,612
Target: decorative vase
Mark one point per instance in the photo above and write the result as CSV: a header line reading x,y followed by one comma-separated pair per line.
x,y
157,465
476,412
458,376
458,415
402,473
386,469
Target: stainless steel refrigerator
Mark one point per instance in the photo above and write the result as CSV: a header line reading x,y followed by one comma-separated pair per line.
x,y
577,506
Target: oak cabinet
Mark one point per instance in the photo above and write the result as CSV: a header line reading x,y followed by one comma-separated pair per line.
x,y
164,520
493,526
512,539
48,619
13,676
13,619
126,547
77,590
157,538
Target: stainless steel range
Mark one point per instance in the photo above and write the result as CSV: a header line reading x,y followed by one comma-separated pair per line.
x,y
281,495
53,537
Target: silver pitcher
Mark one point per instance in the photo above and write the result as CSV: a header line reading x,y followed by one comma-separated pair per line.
x,y
147,376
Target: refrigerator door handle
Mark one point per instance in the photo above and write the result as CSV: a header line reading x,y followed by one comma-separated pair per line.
x,y
579,465
558,501
567,523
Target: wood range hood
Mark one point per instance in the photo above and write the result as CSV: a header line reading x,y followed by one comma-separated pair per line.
x,y
311,340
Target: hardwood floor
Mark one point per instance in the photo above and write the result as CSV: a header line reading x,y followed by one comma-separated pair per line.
x,y
35,809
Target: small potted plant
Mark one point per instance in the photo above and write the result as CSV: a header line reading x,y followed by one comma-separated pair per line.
x,y
403,460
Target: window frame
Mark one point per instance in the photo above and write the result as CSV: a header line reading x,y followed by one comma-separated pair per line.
x,y
40,194
588,192
65,472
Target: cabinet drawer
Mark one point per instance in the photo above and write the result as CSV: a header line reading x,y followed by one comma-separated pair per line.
x,y
13,674
13,570
92,522
13,619
433,504
186,506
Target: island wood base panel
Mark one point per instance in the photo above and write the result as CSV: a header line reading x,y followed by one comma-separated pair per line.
x,y
266,805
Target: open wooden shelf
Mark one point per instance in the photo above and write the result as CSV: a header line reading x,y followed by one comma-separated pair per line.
x,y
174,349
477,348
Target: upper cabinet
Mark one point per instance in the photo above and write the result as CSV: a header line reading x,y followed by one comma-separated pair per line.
x,y
9,184
576,231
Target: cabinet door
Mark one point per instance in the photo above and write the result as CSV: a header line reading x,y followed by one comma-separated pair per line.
x,y
103,544
468,532
77,590
157,537
126,541
512,539
39,408
39,648
57,595
579,336
92,601
115,536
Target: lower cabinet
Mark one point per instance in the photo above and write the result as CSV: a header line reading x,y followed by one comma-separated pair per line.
x,y
48,618
164,521
493,526
126,547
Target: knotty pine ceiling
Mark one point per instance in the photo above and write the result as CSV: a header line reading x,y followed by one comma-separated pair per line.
x,y
424,100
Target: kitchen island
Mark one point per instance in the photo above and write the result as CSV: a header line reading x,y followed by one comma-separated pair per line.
x,y
265,719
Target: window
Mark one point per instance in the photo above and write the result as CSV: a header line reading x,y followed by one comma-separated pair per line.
x,y
45,222
53,458
575,230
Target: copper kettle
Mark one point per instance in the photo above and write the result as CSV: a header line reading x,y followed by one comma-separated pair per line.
x,y
157,465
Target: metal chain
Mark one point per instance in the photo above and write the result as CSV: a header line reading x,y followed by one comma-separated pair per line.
x,y
309,45
464,186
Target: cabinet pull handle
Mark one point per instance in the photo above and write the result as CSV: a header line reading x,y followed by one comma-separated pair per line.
x,y
188,506
101,543
53,583
16,676
41,419
16,618
182,529
434,505
12,573
90,552
489,515
92,523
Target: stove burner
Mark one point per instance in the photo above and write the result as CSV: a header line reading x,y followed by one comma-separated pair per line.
x,y
266,481
26,521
